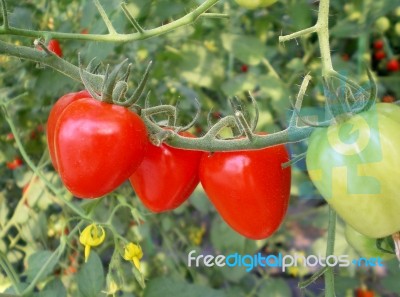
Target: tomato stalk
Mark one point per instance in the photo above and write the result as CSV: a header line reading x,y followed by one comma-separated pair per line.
x,y
330,246
322,29
113,35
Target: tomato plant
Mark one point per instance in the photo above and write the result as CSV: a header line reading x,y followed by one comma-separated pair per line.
x,y
97,146
54,115
174,172
211,50
354,165
249,189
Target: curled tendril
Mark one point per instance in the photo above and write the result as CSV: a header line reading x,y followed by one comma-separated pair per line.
x,y
342,102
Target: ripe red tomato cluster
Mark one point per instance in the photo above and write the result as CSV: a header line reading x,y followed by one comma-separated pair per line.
x,y
379,54
96,146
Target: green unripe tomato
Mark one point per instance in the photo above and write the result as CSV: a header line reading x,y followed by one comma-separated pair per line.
x,y
366,246
254,4
397,28
382,24
397,12
355,165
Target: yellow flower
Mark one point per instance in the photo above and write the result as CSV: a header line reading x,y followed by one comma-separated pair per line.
x,y
196,235
91,236
210,45
134,253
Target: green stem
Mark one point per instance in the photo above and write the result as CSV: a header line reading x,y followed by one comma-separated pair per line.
x,y
105,18
313,278
55,255
52,61
30,163
4,14
10,272
116,37
329,275
322,30
323,37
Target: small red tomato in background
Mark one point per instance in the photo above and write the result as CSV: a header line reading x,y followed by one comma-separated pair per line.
x,y
167,176
393,65
345,57
379,55
244,68
249,189
54,46
388,99
97,146
378,44
54,115
364,292
217,115
10,137
14,164
40,128
85,31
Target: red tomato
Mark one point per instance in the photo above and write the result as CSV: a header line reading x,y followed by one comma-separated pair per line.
x,y
10,137
378,44
55,113
167,176
249,189
244,68
54,46
388,99
14,164
345,57
393,65
363,292
379,55
97,146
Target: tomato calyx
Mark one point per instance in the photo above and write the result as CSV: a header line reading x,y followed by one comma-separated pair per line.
x,y
114,86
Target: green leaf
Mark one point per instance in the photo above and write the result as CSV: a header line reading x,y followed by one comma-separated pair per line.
x,y
224,239
199,200
169,287
54,288
347,28
91,276
40,260
300,14
11,291
275,287
248,49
